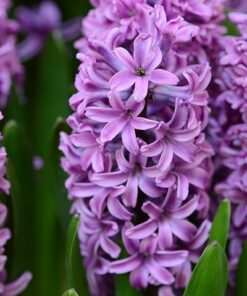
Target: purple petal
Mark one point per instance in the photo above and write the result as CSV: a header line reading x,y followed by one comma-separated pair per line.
x,y
152,210
159,76
109,246
122,162
148,186
183,229
81,190
142,47
186,210
140,123
201,236
182,186
141,88
139,277
122,80
160,274
98,201
109,179
117,209
18,285
125,265
125,58
166,157
113,128
186,135
98,161
197,177
129,139
165,235
132,246
171,258
152,149
102,114
131,191
142,230
154,60
185,151
149,245
84,139
183,275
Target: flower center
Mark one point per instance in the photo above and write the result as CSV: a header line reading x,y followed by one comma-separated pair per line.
x,y
140,71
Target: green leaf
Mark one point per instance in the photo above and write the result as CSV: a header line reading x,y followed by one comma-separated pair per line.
x,y
241,283
70,292
71,239
76,277
210,274
123,287
57,175
231,28
48,92
52,91
221,223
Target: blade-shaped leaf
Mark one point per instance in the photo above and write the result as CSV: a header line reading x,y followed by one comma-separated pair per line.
x,y
210,274
70,292
71,239
221,223
76,277
123,287
52,91
48,94
241,283
57,175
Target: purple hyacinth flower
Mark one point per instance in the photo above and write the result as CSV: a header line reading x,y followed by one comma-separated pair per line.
x,y
141,69
146,260
121,118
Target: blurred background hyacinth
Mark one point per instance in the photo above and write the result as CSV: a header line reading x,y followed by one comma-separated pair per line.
x,y
123,156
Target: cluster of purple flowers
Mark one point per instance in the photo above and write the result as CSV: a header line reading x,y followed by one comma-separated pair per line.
x,y
138,161
9,64
230,132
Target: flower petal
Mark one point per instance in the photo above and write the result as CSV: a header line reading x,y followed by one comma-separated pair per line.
x,y
186,210
124,56
102,114
165,235
152,210
160,76
160,274
131,192
171,258
113,128
122,80
129,139
140,123
142,47
148,186
142,230
125,265
139,277
141,88
109,246
109,179
183,229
